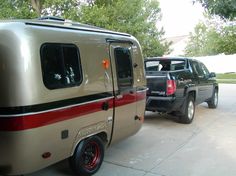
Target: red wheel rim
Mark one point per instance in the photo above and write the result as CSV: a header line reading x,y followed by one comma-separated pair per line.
x,y
91,155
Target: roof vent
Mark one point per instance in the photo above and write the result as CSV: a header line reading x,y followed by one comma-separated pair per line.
x,y
53,18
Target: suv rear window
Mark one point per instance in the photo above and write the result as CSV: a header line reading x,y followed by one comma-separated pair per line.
x,y
60,65
165,65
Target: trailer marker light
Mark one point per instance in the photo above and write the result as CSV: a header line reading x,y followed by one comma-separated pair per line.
x,y
105,63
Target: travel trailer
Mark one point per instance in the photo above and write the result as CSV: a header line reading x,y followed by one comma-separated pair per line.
x,y
67,90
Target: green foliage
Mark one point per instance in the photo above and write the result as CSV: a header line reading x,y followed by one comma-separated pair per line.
x,y
12,9
63,8
25,9
212,40
223,8
136,17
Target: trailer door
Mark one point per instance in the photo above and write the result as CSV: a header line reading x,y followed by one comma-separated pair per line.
x,y
124,90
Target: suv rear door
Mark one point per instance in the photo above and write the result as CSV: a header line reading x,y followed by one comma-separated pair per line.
x,y
202,81
208,81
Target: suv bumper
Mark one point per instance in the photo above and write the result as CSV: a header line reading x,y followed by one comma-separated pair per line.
x,y
163,104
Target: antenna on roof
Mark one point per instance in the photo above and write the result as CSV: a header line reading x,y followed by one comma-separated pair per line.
x,y
54,18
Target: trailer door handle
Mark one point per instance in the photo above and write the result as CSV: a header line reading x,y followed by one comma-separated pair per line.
x,y
105,106
137,118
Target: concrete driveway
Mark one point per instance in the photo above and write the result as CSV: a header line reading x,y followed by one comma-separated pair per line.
x,y
164,147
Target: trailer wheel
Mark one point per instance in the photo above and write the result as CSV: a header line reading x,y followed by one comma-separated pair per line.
x,y
213,102
188,115
88,156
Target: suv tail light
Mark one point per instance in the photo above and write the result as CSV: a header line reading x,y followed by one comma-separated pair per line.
x,y
170,87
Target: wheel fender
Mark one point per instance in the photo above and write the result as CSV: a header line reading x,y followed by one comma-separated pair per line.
x,y
188,92
88,131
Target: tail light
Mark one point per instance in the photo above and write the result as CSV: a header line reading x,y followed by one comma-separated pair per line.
x,y
170,87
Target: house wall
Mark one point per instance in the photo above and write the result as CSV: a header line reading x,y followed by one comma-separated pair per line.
x,y
219,63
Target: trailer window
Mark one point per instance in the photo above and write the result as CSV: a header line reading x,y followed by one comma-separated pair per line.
x,y
124,67
60,65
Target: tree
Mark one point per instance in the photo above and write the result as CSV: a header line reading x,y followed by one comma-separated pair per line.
x,y
16,9
136,17
67,9
226,9
212,39
37,5
26,9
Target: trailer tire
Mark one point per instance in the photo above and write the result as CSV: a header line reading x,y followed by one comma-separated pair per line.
x,y
189,111
88,156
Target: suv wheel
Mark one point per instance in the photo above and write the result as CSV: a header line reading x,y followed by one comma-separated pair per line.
x,y
213,102
189,111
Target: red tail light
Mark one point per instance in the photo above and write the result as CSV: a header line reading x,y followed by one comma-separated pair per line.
x,y
170,87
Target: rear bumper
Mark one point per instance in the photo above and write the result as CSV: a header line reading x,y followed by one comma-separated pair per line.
x,y
163,104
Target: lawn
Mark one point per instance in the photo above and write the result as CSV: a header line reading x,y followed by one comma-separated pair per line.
x,y
229,78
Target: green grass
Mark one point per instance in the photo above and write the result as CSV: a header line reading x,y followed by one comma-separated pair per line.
x,y
225,81
228,78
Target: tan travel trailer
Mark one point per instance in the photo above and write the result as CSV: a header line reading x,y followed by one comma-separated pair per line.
x,y
67,91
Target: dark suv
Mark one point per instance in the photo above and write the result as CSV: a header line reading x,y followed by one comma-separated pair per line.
x,y
176,85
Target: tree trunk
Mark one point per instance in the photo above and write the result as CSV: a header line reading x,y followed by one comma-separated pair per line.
x,y
37,5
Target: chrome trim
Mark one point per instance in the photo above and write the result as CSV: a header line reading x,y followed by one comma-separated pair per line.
x,y
155,76
149,98
144,90
119,96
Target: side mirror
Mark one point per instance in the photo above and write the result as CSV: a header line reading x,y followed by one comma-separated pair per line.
x,y
212,75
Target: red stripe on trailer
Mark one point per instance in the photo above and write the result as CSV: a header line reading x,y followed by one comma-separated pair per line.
x,y
30,121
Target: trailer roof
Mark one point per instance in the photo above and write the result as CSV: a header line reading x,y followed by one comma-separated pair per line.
x,y
61,23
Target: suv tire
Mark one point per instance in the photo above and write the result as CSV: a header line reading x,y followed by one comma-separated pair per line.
x,y
213,102
189,111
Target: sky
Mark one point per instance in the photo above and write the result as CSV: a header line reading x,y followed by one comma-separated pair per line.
x,y
179,17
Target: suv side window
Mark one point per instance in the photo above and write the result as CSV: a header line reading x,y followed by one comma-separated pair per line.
x,y
124,67
197,69
60,65
152,66
205,70
178,65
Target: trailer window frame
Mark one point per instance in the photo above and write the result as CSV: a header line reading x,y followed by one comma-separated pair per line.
x,y
125,77
61,65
